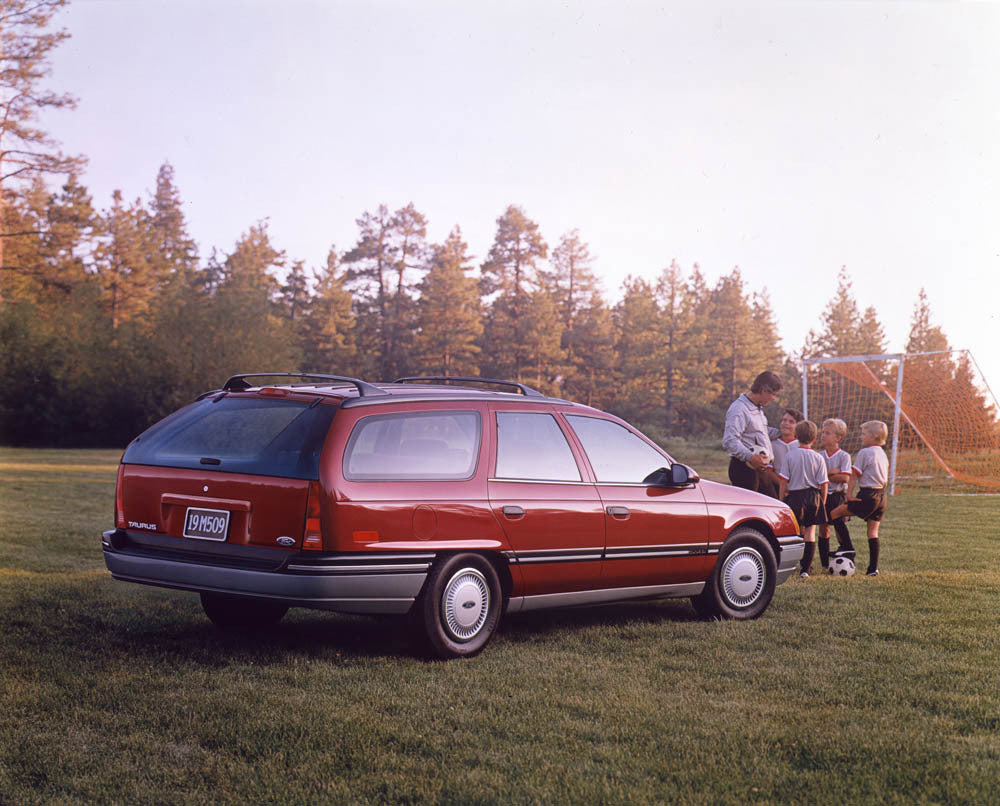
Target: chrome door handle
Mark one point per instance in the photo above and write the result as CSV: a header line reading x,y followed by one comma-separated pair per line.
x,y
621,513
513,512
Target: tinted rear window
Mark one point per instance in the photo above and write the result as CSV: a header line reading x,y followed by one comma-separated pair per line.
x,y
238,435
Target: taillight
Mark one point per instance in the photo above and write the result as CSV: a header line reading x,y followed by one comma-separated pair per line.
x,y
120,522
312,540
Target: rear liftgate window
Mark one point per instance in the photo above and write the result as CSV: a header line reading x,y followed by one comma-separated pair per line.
x,y
238,435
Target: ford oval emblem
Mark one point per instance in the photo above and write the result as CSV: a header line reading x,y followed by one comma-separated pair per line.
x,y
284,540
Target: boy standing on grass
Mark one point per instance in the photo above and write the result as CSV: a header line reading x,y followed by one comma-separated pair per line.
x,y
870,471
838,470
803,478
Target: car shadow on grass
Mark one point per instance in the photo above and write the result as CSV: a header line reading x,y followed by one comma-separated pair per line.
x,y
620,615
96,625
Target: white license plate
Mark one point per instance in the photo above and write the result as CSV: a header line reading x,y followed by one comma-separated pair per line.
x,y
206,524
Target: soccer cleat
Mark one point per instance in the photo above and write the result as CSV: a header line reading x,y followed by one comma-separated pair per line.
x,y
871,573
805,574
849,553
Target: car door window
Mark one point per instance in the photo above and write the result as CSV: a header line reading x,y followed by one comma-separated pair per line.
x,y
532,446
615,453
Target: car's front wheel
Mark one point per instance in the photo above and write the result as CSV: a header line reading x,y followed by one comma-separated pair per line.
x,y
460,607
237,614
742,583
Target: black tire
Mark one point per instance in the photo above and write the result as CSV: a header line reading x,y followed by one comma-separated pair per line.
x,y
460,607
236,614
742,583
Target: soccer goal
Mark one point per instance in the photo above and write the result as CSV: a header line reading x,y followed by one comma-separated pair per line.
x,y
944,432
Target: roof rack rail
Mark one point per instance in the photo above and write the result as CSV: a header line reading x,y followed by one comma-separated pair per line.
x,y
238,382
527,391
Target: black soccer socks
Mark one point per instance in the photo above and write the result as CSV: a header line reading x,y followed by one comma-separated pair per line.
x,y
872,555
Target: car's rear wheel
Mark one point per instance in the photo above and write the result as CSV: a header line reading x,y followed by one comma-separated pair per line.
x,y
742,583
236,614
460,607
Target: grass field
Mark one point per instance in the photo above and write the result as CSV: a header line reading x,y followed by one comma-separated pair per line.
x,y
860,690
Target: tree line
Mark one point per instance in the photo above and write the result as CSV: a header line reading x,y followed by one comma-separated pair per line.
x,y
111,318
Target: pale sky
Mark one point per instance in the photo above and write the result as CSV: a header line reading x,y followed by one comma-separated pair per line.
x,y
786,138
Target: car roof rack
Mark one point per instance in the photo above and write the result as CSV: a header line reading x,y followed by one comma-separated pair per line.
x,y
527,391
238,382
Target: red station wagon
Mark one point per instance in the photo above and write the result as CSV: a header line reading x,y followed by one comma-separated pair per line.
x,y
452,503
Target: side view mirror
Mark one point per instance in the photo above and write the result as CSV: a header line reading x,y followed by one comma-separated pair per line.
x,y
677,476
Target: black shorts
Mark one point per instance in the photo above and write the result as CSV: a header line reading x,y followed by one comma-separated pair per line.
x,y
834,500
807,505
870,505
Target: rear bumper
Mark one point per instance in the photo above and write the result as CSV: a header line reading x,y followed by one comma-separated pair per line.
x,y
792,549
348,583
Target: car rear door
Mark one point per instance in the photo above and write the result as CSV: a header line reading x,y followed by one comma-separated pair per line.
x,y
553,518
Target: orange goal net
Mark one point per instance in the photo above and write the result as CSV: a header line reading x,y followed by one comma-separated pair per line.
x,y
944,432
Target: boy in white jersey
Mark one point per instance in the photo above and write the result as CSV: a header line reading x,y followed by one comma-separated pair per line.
x,y
803,478
838,470
782,438
870,471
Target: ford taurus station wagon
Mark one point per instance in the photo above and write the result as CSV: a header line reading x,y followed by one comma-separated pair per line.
x,y
439,498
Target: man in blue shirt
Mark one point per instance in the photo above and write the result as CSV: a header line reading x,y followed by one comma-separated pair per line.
x,y
746,438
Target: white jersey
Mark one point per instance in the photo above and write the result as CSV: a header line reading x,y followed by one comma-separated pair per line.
x,y
872,465
837,462
779,448
803,468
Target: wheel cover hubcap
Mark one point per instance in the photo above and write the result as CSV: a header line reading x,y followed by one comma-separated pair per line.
x,y
743,577
465,604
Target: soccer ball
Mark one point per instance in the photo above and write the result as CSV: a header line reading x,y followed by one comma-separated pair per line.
x,y
842,567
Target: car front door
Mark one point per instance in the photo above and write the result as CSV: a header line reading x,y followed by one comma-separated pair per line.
x,y
655,535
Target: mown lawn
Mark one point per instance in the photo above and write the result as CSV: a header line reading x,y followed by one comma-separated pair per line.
x,y
861,690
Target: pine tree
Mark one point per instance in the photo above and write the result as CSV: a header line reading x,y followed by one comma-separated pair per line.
x,y
731,336
924,337
449,319
327,331
246,328
571,280
845,331
294,299
122,259
176,251
592,357
639,355
389,249
687,367
26,151
509,276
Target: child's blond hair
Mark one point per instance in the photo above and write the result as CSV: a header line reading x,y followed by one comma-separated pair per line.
x,y
877,429
839,427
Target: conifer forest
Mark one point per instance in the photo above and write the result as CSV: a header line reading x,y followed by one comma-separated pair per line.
x,y
112,315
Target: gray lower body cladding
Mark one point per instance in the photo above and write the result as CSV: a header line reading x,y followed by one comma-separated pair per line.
x,y
344,583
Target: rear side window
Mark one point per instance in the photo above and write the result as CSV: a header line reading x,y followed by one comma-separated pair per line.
x,y
532,446
238,435
426,445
